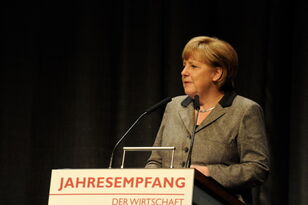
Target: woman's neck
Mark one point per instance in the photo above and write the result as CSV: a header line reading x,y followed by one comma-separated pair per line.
x,y
210,99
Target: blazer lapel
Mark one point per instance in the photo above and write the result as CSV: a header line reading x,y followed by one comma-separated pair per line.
x,y
214,115
187,117
187,113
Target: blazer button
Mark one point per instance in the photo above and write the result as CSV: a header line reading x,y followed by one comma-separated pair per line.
x,y
183,164
186,149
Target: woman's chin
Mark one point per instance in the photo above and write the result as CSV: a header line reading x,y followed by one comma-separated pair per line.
x,y
190,93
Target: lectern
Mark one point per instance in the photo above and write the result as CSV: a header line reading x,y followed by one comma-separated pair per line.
x,y
136,187
184,186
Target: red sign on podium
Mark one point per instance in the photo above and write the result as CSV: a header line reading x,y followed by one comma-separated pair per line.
x,y
121,187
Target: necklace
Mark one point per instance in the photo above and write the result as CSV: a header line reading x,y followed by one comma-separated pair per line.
x,y
207,110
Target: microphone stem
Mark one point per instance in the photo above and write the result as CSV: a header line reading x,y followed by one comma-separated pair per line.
x,y
115,147
188,160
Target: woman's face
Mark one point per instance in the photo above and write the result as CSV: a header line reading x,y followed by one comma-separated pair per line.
x,y
198,77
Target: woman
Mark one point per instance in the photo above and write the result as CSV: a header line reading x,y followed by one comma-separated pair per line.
x,y
230,142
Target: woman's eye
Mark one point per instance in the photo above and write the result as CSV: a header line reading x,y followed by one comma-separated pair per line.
x,y
194,66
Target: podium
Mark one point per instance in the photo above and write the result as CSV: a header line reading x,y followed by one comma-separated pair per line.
x,y
136,187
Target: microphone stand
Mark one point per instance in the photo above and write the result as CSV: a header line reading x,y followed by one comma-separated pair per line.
x,y
148,111
115,147
197,107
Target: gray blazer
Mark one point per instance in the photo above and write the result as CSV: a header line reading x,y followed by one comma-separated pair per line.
x,y
231,141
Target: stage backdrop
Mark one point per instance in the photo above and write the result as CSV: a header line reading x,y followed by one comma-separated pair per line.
x,y
75,76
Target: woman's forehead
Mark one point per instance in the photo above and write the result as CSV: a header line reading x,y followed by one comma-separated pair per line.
x,y
194,55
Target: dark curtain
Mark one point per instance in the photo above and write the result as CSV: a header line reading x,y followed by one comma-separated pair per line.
x,y
75,76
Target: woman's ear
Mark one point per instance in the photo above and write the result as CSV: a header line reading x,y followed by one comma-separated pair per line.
x,y
217,74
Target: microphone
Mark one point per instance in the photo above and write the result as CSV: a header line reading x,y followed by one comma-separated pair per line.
x,y
157,105
197,107
196,103
147,111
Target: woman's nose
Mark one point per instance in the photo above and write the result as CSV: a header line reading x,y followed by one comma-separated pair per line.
x,y
184,71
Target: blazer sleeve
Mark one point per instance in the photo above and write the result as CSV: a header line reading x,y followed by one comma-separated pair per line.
x,y
253,166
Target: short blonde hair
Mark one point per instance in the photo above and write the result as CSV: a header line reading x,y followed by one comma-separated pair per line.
x,y
217,53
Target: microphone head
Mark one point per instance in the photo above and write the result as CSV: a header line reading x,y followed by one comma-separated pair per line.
x,y
159,104
186,101
196,103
